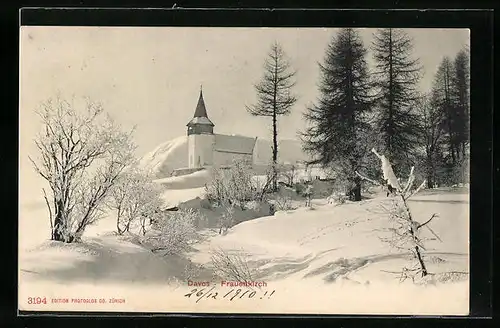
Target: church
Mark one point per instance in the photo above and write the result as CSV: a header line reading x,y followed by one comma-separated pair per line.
x,y
207,149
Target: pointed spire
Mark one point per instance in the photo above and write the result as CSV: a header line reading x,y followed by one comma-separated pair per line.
x,y
201,110
200,123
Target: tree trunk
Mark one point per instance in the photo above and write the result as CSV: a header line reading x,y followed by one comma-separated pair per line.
x,y
430,181
77,236
430,173
127,227
355,192
58,233
421,262
275,152
143,225
120,231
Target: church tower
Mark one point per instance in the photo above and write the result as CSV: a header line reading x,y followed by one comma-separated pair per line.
x,y
200,131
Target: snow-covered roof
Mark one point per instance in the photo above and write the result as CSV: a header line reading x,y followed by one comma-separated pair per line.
x,y
234,144
200,120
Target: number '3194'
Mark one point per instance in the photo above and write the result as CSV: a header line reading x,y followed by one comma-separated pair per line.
x,y
37,300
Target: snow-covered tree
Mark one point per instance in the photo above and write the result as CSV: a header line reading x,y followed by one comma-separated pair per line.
x,y
81,154
135,197
406,230
339,129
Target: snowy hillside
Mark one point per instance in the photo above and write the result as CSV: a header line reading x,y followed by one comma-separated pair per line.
x,y
326,260
168,156
173,154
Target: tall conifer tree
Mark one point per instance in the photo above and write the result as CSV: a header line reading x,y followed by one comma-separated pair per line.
x,y
336,136
396,75
443,99
461,97
274,95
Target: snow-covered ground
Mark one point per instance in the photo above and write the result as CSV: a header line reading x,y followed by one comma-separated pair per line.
x,y
328,259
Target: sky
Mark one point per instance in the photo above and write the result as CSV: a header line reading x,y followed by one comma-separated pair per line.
x,y
150,77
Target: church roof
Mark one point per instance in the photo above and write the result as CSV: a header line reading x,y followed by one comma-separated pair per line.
x,y
200,113
234,144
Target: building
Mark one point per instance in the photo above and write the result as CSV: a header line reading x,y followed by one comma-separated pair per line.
x,y
206,149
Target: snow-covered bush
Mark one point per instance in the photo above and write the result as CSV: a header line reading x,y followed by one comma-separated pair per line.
x,y
233,186
226,220
231,266
283,202
338,198
174,232
192,271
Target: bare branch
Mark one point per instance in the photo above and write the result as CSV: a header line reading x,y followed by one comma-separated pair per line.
x,y
367,179
50,211
426,222
418,189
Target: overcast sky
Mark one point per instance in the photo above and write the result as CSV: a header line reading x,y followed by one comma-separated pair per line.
x,y
151,76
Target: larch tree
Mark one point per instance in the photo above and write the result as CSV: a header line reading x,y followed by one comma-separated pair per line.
x,y
443,99
81,154
396,76
274,96
338,127
432,133
461,96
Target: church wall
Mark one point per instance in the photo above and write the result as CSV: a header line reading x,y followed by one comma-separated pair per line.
x,y
200,149
226,158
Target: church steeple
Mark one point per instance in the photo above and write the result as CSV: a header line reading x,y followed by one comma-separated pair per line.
x,y
200,123
201,110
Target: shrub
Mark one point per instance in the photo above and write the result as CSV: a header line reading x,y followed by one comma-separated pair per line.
x,y
283,202
226,220
233,186
231,266
174,232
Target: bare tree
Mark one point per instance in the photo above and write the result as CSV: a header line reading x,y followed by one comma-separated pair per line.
x,y
431,129
81,154
273,93
407,231
135,197
289,174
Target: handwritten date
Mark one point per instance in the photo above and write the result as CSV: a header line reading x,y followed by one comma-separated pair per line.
x,y
232,294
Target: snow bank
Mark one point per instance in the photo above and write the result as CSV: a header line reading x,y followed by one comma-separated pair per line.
x,y
320,260
167,157
188,181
